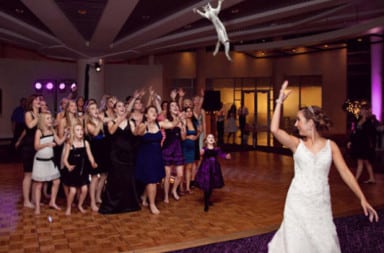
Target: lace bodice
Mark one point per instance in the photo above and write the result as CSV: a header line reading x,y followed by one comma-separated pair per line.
x,y
311,170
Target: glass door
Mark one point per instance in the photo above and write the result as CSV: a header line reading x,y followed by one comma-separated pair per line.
x,y
258,103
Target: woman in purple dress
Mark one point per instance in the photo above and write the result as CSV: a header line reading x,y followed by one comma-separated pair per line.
x,y
209,174
172,151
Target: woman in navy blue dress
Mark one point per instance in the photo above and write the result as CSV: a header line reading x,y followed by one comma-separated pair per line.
x,y
149,165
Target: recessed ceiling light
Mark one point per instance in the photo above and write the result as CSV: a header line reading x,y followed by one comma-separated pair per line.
x,y
359,39
82,12
326,46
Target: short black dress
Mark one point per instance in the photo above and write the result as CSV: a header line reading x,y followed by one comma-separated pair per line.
x,y
363,141
79,175
28,148
100,151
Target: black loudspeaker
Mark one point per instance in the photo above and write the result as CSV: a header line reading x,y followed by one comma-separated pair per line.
x,y
212,100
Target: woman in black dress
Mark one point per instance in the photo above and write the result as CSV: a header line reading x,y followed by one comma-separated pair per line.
x,y
120,194
362,143
28,150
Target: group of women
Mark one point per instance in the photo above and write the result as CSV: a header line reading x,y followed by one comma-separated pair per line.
x,y
116,152
139,147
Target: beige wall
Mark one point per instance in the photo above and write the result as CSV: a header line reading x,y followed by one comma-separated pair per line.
x,y
17,78
122,80
331,65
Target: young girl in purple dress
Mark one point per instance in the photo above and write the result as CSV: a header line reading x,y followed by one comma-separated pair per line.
x,y
209,174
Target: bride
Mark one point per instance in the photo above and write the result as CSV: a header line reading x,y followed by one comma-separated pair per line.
x,y
308,223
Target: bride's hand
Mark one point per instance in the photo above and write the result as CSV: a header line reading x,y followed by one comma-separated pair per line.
x,y
284,93
370,212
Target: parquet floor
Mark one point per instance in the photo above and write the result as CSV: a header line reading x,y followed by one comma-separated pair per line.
x,y
251,203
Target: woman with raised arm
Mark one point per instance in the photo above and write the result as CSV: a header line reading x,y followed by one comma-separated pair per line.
x,y
96,135
308,223
151,171
172,151
120,193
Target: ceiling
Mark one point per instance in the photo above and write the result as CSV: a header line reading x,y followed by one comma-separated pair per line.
x,y
119,30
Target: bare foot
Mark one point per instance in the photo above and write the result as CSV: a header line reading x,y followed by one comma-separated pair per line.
x,y
154,209
54,206
95,208
99,201
68,211
81,209
166,200
37,211
175,196
29,205
144,201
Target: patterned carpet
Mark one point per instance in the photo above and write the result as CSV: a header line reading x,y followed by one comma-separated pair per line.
x,y
356,235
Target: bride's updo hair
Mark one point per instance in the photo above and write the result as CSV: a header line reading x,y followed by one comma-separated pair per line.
x,y
315,113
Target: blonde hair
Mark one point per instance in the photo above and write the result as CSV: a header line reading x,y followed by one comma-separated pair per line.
x,y
72,129
88,118
41,121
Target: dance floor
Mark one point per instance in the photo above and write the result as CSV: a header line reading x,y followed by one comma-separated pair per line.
x,y
251,203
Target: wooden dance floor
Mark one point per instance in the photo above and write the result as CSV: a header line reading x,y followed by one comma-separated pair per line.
x,y
250,203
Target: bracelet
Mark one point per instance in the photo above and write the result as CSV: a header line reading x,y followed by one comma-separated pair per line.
x,y
279,101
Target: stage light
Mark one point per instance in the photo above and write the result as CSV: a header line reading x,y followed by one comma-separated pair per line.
x,y
62,86
38,86
49,85
73,86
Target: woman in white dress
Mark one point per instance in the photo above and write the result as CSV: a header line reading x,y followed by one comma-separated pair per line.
x,y
308,223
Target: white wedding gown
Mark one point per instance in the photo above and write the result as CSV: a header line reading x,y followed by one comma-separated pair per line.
x,y
307,225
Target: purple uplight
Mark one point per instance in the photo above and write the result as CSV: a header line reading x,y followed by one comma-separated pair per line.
x,y
376,79
38,86
61,86
49,86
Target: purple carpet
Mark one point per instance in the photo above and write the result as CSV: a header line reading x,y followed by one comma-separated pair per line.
x,y
356,235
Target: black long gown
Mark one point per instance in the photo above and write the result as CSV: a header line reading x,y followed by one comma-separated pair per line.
x,y
120,194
